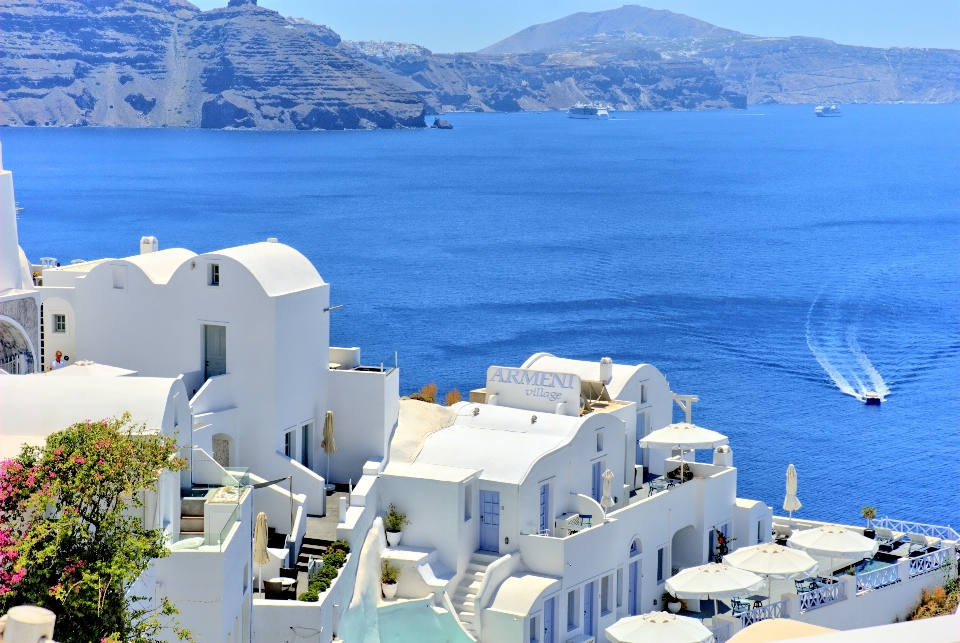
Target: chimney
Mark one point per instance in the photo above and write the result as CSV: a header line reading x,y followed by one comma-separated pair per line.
x,y
606,370
148,245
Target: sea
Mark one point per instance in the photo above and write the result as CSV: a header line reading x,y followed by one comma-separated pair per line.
x,y
775,264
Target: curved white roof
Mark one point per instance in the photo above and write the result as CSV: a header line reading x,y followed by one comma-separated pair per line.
x,y
518,594
622,373
159,266
279,268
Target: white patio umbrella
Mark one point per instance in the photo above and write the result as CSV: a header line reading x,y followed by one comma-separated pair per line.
x,y
658,627
713,581
834,541
771,560
260,554
790,502
328,445
684,434
606,500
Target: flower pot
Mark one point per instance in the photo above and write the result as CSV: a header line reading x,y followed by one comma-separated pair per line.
x,y
869,533
393,538
673,607
389,590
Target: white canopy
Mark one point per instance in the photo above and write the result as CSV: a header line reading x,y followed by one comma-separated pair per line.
x,y
773,561
658,627
713,580
683,434
833,541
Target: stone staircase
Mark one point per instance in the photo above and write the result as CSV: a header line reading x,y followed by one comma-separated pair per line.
x,y
314,547
464,600
191,516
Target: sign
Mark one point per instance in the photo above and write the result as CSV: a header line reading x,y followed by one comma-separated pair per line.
x,y
522,388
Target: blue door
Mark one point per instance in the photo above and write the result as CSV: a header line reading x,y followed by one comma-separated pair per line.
x,y
596,486
633,587
544,509
549,606
490,521
588,591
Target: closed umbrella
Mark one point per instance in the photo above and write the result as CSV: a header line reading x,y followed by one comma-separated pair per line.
x,y
684,434
658,627
771,560
606,500
328,445
834,541
260,554
791,503
713,581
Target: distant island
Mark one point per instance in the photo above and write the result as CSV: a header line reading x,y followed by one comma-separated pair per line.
x,y
166,63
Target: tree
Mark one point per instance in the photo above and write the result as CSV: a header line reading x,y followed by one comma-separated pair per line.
x,y
67,539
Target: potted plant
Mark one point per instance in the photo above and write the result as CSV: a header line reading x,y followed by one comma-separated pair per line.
x,y
673,603
394,524
388,579
869,513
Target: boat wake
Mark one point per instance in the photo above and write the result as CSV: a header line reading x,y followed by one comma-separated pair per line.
x,y
832,338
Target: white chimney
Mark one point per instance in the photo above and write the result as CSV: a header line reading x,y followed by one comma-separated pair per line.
x,y
606,370
272,240
148,245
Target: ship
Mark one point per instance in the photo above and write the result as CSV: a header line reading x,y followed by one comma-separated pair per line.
x,y
872,398
593,111
827,110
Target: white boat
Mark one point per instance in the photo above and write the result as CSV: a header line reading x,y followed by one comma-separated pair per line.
x,y
827,110
594,111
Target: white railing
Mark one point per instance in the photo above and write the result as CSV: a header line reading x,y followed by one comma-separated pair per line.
x,y
869,581
757,614
822,596
927,563
907,527
721,633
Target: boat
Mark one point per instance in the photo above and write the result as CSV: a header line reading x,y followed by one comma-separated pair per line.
x,y
594,111
827,110
872,398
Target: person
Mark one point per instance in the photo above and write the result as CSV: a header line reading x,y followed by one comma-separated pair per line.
x,y
58,362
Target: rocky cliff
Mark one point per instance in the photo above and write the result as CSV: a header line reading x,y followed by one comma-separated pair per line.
x,y
159,63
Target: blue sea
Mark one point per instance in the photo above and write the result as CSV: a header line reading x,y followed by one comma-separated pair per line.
x,y
771,262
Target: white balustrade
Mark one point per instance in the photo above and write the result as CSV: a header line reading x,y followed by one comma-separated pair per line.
x,y
822,596
869,581
721,633
927,563
907,527
757,614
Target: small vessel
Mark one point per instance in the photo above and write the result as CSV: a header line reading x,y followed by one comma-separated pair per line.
x,y
594,111
872,398
827,110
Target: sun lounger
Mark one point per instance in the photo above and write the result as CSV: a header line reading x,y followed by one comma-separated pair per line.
x,y
888,537
782,532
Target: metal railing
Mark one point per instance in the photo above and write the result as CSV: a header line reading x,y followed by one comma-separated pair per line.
x,y
757,614
883,577
927,563
721,633
907,527
822,596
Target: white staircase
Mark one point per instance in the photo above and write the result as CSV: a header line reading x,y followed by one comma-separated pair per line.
x,y
464,600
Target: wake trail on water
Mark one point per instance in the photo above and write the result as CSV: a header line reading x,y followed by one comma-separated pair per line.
x,y
833,341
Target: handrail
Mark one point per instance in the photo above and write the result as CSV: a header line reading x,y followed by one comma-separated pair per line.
x,y
721,633
937,531
878,578
822,596
927,563
757,614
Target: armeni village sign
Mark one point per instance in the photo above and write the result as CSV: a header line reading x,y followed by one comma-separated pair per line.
x,y
535,390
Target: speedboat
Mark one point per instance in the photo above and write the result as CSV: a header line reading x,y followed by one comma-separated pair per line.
x,y
872,398
827,110
594,111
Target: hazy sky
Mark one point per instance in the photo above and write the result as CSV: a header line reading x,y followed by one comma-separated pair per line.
x,y
468,25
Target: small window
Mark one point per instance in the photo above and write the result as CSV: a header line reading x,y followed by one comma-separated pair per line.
x,y
534,630
288,444
643,394
59,323
468,502
605,595
573,610
214,276
599,441
661,563
305,446
620,587
119,277
759,531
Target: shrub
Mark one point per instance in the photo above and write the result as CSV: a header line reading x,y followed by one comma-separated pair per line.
x,y
939,602
869,513
395,520
453,397
426,394
339,545
389,573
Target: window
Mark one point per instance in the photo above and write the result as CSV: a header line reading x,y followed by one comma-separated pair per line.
x,y
59,323
288,439
534,630
119,277
759,531
643,394
213,278
605,595
573,609
305,446
620,587
468,502
661,563
599,441
596,480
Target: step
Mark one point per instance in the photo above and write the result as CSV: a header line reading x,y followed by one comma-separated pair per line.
x,y
191,524
480,558
473,567
463,594
473,576
466,616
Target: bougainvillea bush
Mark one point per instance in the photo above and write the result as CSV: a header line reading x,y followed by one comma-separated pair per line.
x,y
67,539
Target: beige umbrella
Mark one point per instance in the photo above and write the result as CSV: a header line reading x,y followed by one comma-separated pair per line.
x,y
771,560
328,445
684,434
791,503
834,541
713,581
260,554
658,627
606,500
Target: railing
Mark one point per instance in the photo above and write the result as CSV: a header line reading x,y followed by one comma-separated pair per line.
x,y
757,614
822,596
869,581
225,532
721,633
937,531
927,563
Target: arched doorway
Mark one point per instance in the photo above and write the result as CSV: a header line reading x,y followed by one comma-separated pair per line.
x,y
16,352
686,549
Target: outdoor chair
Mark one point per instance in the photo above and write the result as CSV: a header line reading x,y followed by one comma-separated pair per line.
x,y
273,590
888,537
739,606
805,585
782,532
586,520
919,542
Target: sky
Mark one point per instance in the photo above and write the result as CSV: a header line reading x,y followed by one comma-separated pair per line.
x,y
468,25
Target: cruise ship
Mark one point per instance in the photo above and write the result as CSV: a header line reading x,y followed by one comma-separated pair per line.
x,y
594,111
827,110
